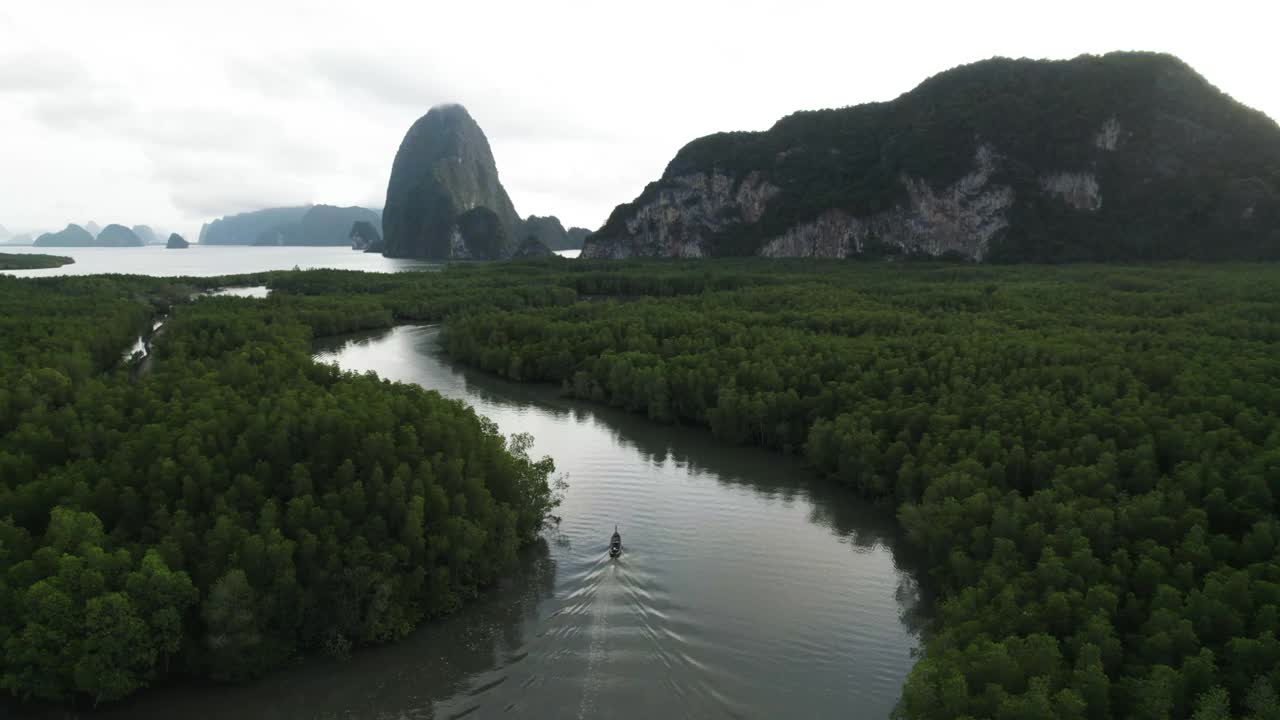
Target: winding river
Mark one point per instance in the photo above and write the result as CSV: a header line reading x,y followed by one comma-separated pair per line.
x,y
746,589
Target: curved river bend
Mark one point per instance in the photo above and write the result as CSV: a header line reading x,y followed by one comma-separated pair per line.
x,y
744,589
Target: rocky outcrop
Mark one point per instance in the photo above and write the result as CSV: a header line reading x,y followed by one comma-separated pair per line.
x,y
1015,168
176,242
1078,189
71,236
1108,136
444,169
960,220
364,236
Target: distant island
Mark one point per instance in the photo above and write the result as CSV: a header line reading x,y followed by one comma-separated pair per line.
x,y
1127,156
75,236
306,225
551,233
32,261
176,242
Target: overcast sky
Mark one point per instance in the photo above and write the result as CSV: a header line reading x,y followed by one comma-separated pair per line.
x,y
172,113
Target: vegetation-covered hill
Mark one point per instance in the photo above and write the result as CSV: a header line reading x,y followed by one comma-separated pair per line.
x,y
444,169
1123,156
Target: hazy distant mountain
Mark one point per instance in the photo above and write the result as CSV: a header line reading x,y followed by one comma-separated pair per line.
x,y
20,239
329,225
577,237
443,170
244,228
551,233
147,234
71,236
311,225
176,242
117,236
92,228
1127,156
4,234
532,247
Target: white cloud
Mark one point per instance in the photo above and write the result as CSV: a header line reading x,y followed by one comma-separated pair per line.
x,y
169,113
35,71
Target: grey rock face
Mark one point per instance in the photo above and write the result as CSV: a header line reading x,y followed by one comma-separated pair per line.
x,y
960,218
176,242
443,169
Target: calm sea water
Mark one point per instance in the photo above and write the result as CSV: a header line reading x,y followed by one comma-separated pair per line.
x,y
206,260
746,589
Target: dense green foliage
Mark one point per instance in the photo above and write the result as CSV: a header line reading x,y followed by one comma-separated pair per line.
x,y
231,503
1191,173
1090,457
31,261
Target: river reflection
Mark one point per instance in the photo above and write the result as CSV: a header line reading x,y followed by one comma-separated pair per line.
x,y
746,589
